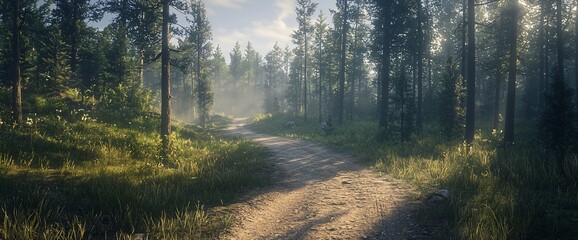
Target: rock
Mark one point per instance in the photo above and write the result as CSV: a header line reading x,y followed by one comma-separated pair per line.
x,y
326,127
290,125
138,236
438,197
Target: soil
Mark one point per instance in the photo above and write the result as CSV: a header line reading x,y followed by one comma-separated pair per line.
x,y
319,193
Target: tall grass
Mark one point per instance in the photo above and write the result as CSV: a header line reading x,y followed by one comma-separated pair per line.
x,y
496,192
83,179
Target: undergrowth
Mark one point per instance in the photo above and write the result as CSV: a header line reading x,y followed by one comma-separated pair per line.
x,y
74,177
497,192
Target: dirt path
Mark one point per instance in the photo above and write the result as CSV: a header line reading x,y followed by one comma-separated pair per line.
x,y
321,194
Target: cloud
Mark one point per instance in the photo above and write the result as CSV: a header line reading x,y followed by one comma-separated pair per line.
x,y
226,38
262,33
227,3
274,30
287,9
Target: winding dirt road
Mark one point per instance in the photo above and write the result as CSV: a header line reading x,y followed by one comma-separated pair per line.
x,y
321,194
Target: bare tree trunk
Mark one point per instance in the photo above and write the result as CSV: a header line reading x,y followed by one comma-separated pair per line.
x,y
576,57
354,75
16,80
511,96
198,75
471,79
305,87
497,96
165,86
559,39
542,56
385,68
319,87
141,68
464,51
341,100
420,50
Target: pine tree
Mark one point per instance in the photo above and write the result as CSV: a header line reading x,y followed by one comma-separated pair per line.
x,y
16,75
558,120
305,9
404,106
513,13
199,36
273,77
72,16
235,66
451,113
165,86
383,35
321,58
471,75
218,70
342,62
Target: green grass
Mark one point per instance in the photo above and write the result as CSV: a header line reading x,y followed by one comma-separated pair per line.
x,y
67,178
496,193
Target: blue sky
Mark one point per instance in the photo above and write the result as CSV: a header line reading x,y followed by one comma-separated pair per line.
x,y
262,22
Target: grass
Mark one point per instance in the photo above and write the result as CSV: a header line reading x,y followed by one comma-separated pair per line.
x,y
496,192
78,178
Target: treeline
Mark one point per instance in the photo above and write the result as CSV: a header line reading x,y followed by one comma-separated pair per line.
x,y
459,65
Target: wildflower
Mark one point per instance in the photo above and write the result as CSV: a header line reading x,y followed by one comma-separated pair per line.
x,y
29,121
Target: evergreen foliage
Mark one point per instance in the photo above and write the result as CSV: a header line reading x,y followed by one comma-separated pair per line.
x,y
558,130
451,112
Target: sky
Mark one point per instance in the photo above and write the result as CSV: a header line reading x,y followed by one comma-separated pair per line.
x,y
262,22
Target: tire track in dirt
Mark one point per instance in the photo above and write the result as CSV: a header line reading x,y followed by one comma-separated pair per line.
x,y
322,194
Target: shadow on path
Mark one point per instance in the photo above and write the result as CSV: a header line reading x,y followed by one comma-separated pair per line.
x,y
322,194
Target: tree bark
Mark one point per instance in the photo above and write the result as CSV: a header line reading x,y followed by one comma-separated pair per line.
x,y
165,86
319,70
511,95
542,56
385,66
471,79
559,38
464,47
305,87
576,57
497,95
354,74
16,78
420,50
341,100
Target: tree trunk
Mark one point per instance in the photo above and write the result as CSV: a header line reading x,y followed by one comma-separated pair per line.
x,y
511,96
141,68
341,99
542,56
165,86
75,40
559,39
385,67
319,87
471,79
576,57
16,78
305,89
464,51
420,50
354,74
497,95
200,101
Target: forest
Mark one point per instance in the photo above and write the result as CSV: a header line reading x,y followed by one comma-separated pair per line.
x,y
145,128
